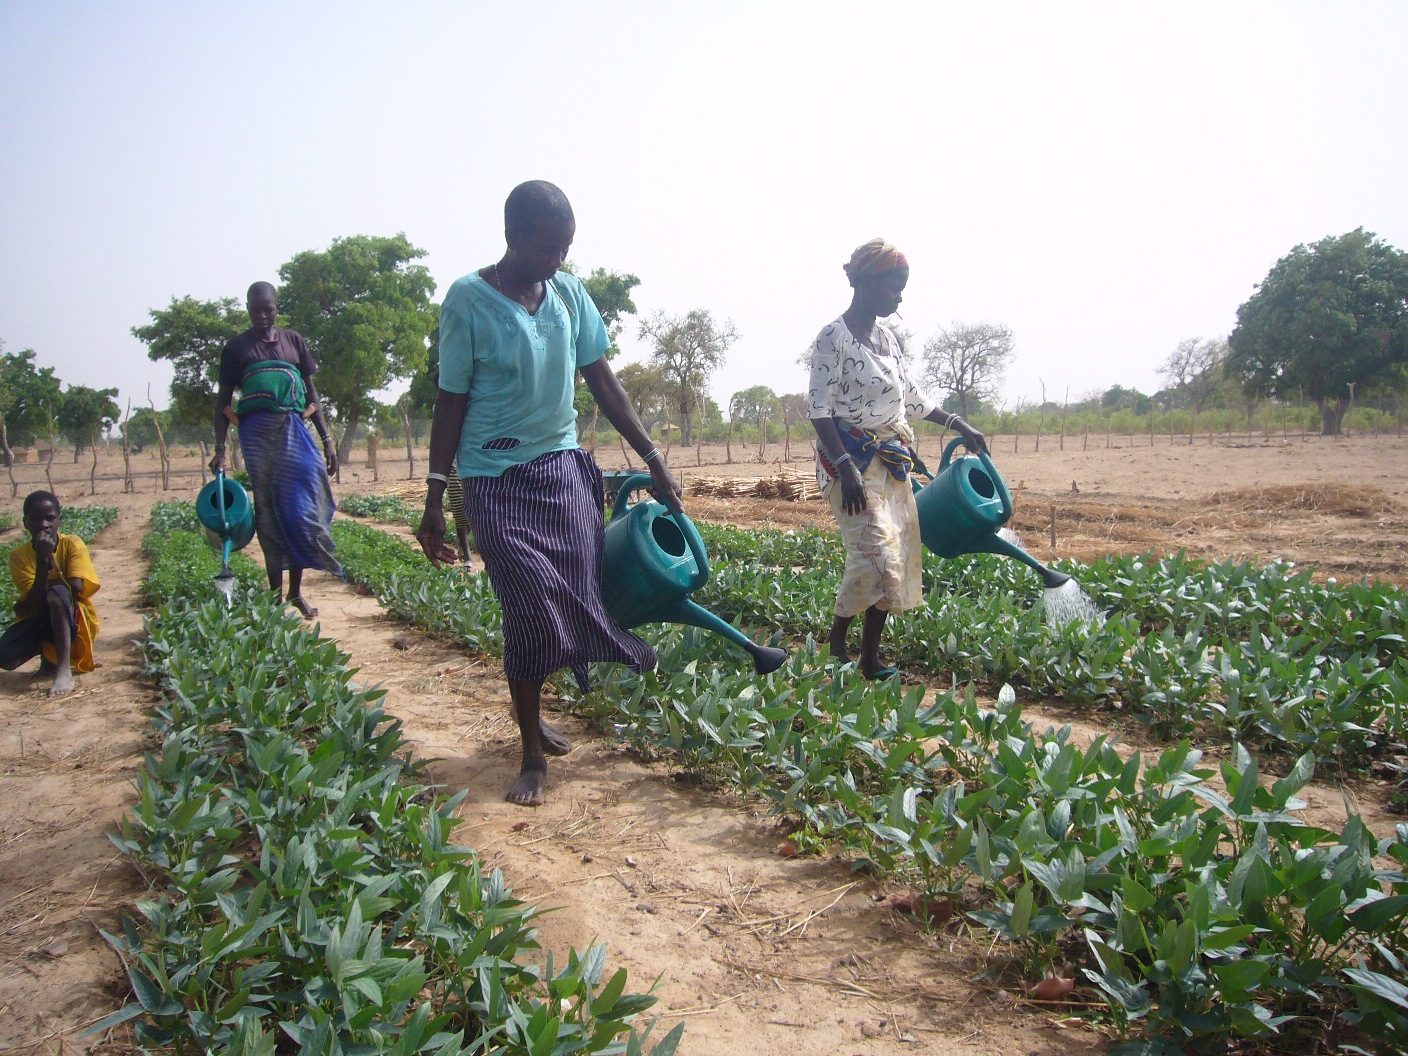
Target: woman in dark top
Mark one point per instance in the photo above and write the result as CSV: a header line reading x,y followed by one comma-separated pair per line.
x,y
293,504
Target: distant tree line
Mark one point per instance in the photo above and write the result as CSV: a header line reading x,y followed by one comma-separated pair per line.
x,y
1326,329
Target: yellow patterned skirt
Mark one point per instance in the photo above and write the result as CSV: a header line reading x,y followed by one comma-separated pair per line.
x,y
884,557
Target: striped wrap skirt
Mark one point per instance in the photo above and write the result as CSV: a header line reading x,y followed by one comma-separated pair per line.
x,y
539,530
293,504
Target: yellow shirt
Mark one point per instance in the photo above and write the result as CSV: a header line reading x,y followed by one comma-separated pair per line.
x,y
70,562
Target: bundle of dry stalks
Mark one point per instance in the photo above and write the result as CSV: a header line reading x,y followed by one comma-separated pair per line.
x,y
788,484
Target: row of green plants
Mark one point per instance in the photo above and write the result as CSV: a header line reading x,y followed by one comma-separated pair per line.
x,y
83,521
1259,655
1194,912
309,896
1265,656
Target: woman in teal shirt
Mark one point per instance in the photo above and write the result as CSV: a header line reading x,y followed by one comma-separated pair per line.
x,y
512,338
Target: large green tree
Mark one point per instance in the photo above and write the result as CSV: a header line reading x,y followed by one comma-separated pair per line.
x,y
364,307
754,406
1326,318
687,350
189,335
27,393
82,413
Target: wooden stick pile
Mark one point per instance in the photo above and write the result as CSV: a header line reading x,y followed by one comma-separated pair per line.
x,y
787,484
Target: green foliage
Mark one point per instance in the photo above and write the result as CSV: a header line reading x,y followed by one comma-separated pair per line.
x,y
385,508
140,428
83,521
364,308
754,406
1196,912
1326,316
310,896
190,334
7,520
83,413
27,396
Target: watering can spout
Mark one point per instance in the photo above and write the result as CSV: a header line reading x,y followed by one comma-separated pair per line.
x,y
996,544
766,659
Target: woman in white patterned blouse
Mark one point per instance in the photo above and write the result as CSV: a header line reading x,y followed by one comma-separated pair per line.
x,y
860,401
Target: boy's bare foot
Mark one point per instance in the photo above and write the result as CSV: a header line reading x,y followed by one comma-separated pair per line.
x,y
553,741
527,791
304,609
63,683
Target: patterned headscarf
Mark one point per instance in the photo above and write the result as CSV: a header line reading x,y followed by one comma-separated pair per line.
x,y
874,258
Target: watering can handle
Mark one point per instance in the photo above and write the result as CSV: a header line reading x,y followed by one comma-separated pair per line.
x,y
691,534
998,482
220,500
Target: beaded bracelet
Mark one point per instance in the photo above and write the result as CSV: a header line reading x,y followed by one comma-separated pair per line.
x,y
838,463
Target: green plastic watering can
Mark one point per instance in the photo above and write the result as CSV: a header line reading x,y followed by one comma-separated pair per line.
x,y
226,513
652,561
963,506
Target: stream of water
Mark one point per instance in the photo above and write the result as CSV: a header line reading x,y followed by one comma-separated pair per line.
x,y
226,585
1067,604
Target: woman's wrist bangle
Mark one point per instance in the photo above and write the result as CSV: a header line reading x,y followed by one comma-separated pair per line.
x,y
327,439
441,477
838,463
219,447
951,419
652,456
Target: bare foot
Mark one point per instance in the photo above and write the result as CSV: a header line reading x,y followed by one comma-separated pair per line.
x,y
63,683
553,741
304,609
527,791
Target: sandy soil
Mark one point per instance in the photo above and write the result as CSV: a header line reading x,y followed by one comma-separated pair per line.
x,y
757,953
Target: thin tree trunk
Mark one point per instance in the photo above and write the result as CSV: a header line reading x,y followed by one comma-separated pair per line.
x,y
128,485
410,442
49,462
93,473
728,443
1065,406
762,439
596,413
625,451
160,445
9,458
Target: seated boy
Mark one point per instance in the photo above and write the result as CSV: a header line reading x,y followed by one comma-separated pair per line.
x,y
56,582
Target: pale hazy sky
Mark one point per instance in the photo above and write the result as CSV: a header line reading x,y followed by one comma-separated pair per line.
x,y
1105,178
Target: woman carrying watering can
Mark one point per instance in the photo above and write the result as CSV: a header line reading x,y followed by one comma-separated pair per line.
x,y
512,338
293,505
860,399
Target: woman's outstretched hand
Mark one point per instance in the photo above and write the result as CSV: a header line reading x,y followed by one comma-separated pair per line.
x,y
975,440
664,486
431,536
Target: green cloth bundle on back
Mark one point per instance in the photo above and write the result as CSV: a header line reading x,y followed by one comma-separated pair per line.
x,y
272,385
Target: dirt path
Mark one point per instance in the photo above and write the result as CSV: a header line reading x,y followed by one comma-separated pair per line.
x,y
66,773
758,953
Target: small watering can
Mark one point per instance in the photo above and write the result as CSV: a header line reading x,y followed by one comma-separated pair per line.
x,y
227,515
963,506
653,560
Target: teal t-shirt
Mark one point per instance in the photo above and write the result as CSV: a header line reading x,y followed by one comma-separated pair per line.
x,y
518,369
